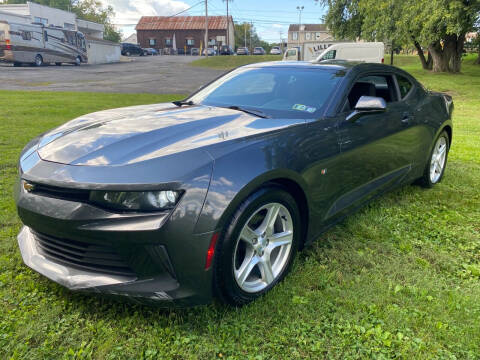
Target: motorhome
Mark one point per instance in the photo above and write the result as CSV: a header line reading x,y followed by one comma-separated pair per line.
x,y
372,52
38,44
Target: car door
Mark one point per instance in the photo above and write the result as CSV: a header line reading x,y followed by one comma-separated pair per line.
x,y
372,148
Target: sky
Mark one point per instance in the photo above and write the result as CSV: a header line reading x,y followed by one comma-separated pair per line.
x,y
270,17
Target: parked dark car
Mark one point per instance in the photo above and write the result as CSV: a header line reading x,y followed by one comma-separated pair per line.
x,y
226,50
259,51
243,51
214,195
150,51
131,49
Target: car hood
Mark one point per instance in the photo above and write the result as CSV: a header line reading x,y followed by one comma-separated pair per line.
x,y
140,133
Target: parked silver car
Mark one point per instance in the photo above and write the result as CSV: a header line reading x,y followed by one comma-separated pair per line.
x,y
259,51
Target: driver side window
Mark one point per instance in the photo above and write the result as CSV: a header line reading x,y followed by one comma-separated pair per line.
x,y
374,85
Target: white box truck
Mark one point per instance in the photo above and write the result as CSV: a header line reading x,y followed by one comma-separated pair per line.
x,y
372,52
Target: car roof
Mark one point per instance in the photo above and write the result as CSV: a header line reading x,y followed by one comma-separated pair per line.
x,y
325,65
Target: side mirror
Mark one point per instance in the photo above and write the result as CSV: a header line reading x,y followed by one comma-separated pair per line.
x,y
367,105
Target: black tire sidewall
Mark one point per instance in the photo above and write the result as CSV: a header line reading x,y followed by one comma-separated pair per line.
x,y
426,176
226,286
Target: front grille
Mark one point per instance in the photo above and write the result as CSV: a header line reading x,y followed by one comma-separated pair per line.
x,y
61,193
81,255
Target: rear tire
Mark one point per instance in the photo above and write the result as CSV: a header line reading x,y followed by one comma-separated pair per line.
x,y
437,162
257,248
38,60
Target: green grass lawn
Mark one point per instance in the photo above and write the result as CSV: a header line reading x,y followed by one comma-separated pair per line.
x,y
230,62
399,279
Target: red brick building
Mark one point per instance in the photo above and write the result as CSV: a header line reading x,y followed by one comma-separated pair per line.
x,y
159,32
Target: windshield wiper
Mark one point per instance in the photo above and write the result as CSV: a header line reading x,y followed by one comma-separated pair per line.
x,y
180,103
258,113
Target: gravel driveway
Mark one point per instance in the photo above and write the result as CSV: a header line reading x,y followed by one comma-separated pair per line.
x,y
150,74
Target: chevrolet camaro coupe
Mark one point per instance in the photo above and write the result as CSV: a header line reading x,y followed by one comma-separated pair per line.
x,y
212,196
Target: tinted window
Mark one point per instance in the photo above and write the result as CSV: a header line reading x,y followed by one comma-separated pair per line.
x,y
279,92
404,85
384,86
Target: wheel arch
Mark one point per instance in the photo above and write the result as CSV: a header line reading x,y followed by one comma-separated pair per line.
x,y
289,180
448,129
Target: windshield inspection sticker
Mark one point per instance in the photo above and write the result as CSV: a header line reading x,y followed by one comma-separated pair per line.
x,y
301,107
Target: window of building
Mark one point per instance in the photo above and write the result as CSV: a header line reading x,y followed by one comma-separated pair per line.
x,y
307,36
190,42
317,36
295,35
26,35
168,41
152,42
69,26
41,20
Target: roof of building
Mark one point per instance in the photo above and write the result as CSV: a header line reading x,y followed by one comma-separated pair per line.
x,y
182,23
308,27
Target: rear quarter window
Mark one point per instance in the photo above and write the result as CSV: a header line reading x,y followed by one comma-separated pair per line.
x,y
404,85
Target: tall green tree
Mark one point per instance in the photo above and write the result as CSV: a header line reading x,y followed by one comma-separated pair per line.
x,y
246,35
91,10
438,25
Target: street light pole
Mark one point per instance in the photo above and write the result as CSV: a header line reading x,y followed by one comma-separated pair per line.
x,y
300,9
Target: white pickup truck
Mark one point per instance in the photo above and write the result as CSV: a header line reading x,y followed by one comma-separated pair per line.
x,y
361,51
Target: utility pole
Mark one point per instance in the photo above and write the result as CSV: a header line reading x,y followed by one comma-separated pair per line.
x,y
228,24
245,35
251,29
300,9
281,41
206,28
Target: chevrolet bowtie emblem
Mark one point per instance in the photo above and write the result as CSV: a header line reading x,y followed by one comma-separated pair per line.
x,y
28,187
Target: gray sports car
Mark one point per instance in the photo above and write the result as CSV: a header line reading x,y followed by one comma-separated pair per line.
x,y
213,195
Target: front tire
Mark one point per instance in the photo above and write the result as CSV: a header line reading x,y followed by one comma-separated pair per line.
x,y
435,167
78,61
258,247
38,60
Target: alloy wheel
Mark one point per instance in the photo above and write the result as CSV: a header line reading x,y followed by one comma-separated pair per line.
x,y
437,163
263,247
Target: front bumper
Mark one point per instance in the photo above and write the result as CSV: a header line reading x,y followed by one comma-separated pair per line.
x,y
161,288
145,257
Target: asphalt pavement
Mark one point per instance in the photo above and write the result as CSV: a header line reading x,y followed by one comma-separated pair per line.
x,y
149,74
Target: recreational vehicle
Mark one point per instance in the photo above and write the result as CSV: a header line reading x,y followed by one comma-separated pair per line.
x,y
37,44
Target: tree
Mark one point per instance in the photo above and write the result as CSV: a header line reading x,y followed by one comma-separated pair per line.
x,y
91,10
246,31
439,25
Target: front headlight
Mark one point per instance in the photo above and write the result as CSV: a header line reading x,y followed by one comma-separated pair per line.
x,y
136,200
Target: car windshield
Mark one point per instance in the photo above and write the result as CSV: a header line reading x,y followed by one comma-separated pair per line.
x,y
279,92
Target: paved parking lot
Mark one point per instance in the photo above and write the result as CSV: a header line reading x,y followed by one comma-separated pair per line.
x,y
152,74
